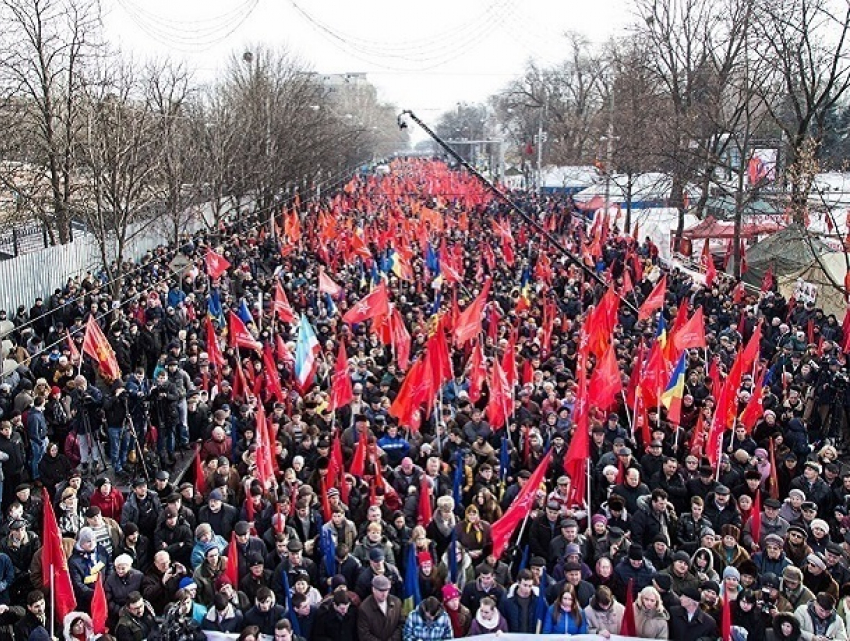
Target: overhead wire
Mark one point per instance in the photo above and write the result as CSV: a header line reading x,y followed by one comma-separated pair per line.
x,y
186,42
482,29
332,182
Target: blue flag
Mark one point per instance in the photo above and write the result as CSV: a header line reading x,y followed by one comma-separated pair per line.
x,y
458,478
411,597
328,548
244,313
290,613
504,459
453,557
214,307
438,301
432,260
541,607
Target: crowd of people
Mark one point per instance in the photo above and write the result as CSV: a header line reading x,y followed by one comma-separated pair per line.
x,y
659,544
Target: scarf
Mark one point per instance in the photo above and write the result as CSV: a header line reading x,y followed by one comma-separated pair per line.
x,y
454,618
444,526
476,529
490,625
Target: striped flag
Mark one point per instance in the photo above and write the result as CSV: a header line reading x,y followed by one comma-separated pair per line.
x,y
305,353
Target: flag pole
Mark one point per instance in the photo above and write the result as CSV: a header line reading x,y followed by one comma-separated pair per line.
x,y
52,599
629,417
260,313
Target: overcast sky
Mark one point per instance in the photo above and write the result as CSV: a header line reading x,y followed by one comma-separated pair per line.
x,y
425,56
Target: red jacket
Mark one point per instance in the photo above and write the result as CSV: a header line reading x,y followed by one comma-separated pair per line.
x,y
110,505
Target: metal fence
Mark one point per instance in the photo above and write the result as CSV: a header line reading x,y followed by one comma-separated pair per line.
x,y
40,272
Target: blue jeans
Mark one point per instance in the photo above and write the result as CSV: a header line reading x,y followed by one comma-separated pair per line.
x,y
118,451
38,449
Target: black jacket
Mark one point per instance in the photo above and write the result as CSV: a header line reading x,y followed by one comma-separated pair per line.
x,y
701,626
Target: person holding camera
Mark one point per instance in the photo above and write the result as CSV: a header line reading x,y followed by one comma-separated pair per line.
x,y
117,414
162,581
87,416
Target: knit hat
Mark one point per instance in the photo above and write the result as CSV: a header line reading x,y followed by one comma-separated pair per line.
x,y
598,518
86,535
424,557
814,559
450,592
731,571
187,582
819,523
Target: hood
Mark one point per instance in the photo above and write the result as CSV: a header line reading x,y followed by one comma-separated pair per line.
x,y
710,559
786,617
796,425
73,616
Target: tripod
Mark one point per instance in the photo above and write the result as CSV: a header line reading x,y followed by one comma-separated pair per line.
x,y
138,448
94,443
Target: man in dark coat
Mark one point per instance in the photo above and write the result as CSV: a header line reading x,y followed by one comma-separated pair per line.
x,y
688,622
380,617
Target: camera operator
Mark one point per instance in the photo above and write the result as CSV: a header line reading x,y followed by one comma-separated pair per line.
x,y
178,624
770,599
116,411
87,416
138,389
165,398
184,385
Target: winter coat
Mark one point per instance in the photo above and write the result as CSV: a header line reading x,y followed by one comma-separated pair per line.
x,y
70,618
84,569
566,623
647,524
374,625
702,625
118,590
651,624
610,619
834,630
229,622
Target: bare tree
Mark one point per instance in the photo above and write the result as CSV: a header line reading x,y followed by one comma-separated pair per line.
x,y
168,91
122,162
805,44
45,45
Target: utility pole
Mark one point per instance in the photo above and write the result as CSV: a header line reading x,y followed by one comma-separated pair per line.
x,y
609,150
539,184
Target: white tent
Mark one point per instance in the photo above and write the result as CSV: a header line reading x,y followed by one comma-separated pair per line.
x,y
659,223
648,190
570,178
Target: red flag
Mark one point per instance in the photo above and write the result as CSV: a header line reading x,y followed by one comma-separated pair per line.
x,y
477,372
743,258
54,563
708,262
501,530
213,349
216,264
231,571
200,479
500,406
414,388
375,304
238,334
271,376
606,381
97,346
692,333
755,519
509,363
337,460
358,462
468,324
75,353
739,292
281,305
634,378
99,609
655,300
265,466
601,323
341,390
425,512
726,620
400,338
768,281
327,286
753,411
628,627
